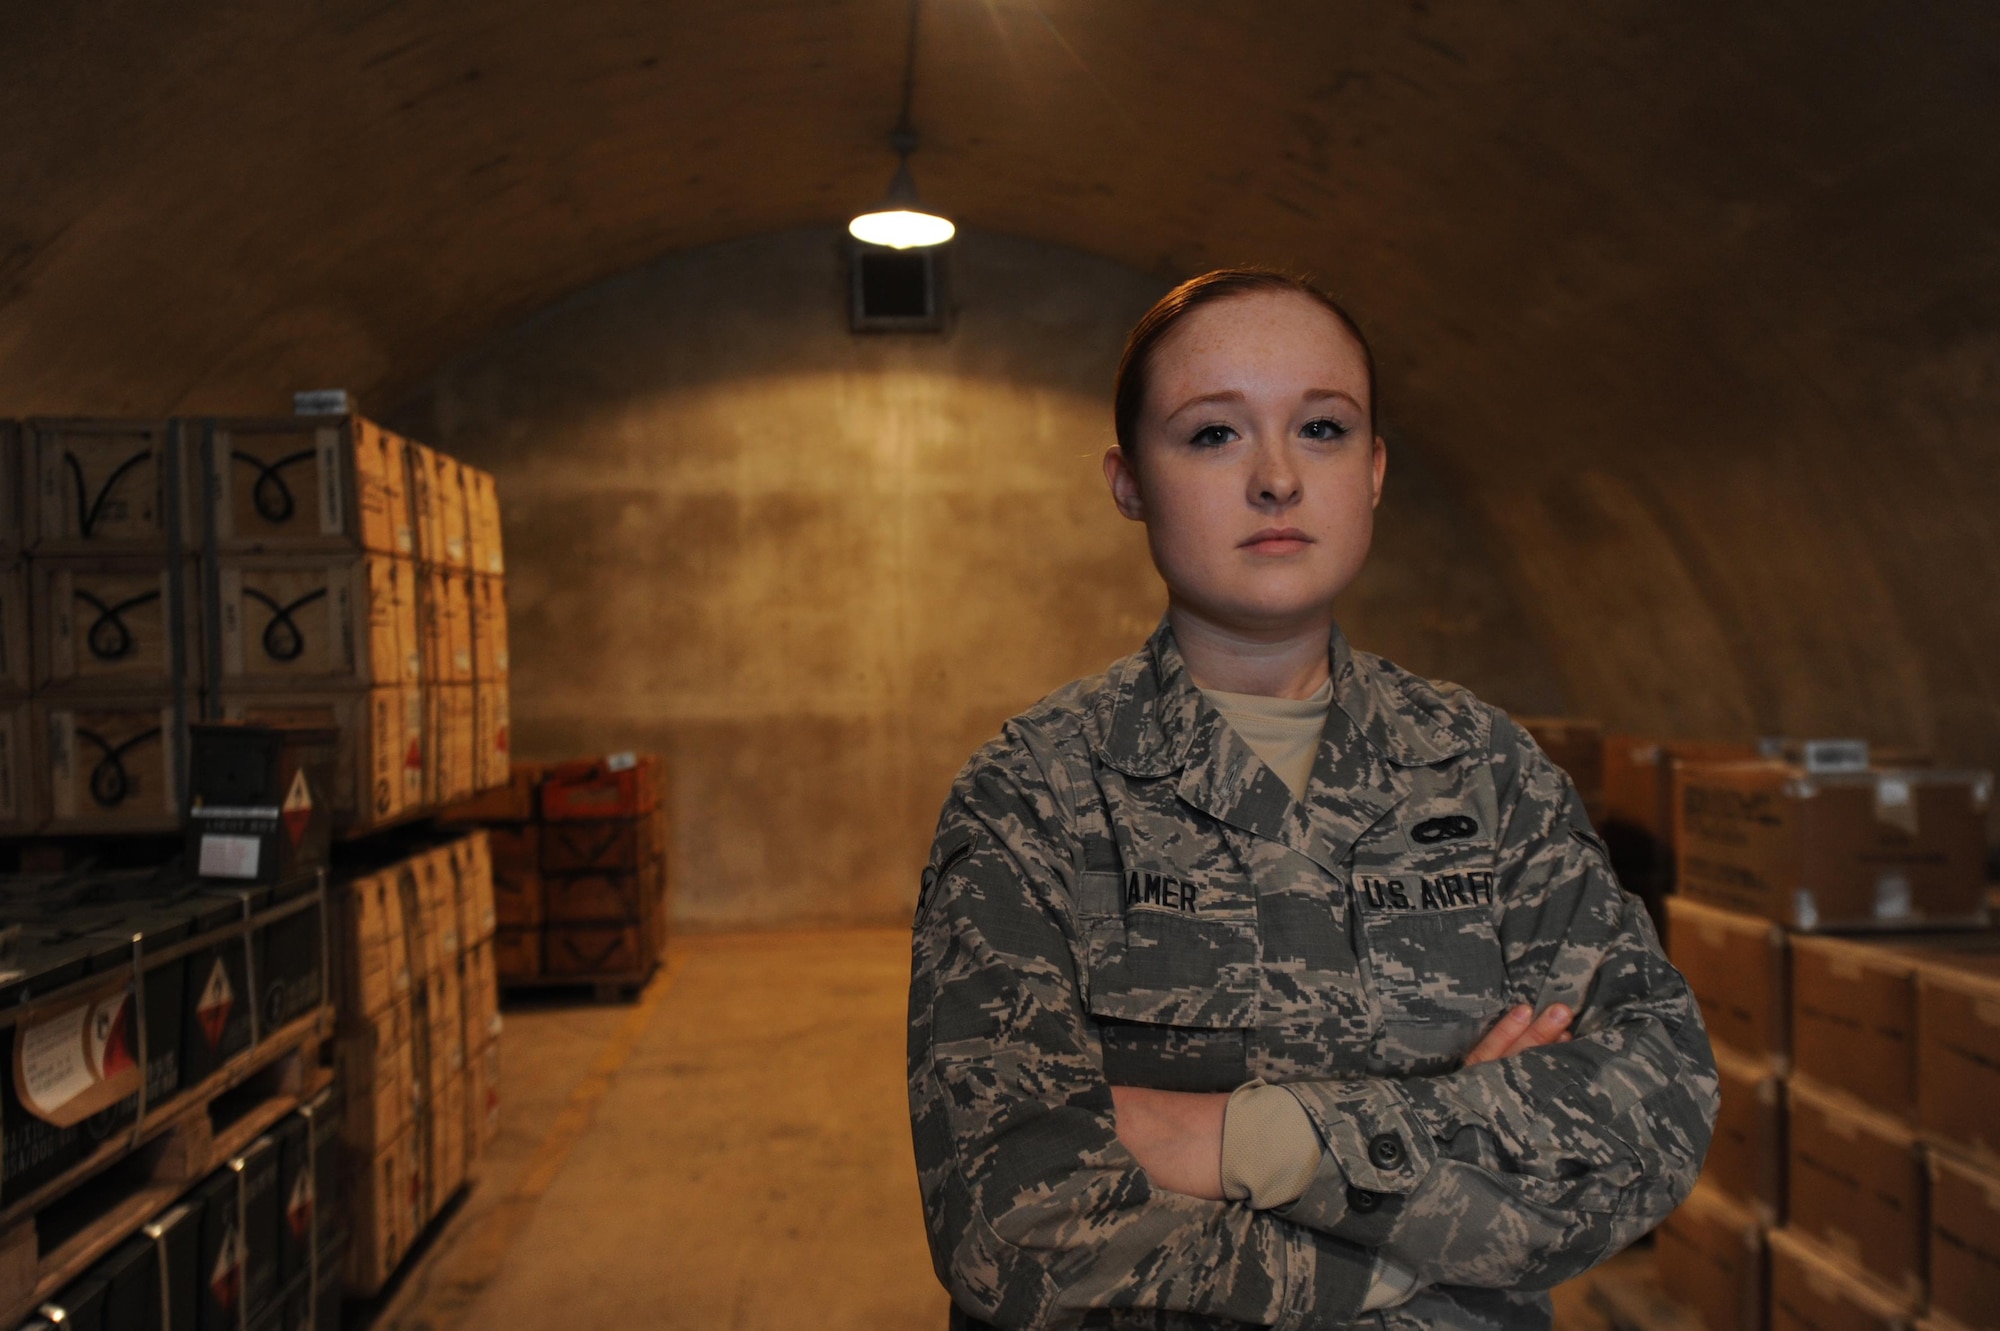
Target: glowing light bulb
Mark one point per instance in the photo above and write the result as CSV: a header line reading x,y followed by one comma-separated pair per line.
x,y
901,228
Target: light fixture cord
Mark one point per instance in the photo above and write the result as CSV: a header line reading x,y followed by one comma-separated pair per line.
x,y
905,137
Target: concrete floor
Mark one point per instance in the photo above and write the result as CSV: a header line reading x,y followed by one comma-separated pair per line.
x,y
732,1150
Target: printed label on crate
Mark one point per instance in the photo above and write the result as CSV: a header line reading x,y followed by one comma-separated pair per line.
x,y
224,856
331,500
298,808
621,762
225,1282
218,999
74,1060
321,402
299,1206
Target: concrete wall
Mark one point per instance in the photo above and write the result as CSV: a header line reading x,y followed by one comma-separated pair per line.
x,y
818,569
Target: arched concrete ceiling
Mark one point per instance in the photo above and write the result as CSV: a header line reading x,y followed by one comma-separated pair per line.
x,y
1696,305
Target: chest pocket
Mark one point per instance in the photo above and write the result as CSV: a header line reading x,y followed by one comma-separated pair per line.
x,y
1433,958
1173,993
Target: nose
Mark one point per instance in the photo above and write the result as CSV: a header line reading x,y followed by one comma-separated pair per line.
x,y
1274,477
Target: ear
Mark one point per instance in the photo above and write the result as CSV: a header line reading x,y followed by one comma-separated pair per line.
x,y
1381,462
1123,479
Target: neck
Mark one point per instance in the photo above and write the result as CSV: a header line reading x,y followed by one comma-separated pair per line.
x,y
1287,662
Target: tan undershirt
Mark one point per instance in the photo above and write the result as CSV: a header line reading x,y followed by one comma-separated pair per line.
x,y
1270,1149
1284,732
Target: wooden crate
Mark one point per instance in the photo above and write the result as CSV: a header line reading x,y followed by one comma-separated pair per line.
x,y
608,845
621,785
17,662
444,625
472,865
378,766
24,787
449,547
300,483
104,624
513,801
517,876
304,622
489,628
619,897
13,472
482,510
610,953
376,1061
109,763
385,1213
517,955
492,722
110,486
450,750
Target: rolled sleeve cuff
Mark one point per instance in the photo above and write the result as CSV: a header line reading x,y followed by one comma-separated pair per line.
x,y
1375,1153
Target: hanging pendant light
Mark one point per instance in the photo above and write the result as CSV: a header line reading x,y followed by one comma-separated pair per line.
x,y
900,221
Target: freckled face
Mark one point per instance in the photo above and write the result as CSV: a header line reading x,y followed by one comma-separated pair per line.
x,y
1257,471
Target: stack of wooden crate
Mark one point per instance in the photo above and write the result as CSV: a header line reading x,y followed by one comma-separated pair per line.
x,y
101,624
306,570
1854,1176
579,870
418,1018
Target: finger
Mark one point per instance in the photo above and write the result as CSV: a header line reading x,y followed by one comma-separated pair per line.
x,y
1544,1030
1502,1036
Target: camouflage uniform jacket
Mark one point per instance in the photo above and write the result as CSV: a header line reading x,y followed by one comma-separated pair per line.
x,y
1120,892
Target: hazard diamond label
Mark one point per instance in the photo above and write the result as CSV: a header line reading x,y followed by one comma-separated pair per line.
x,y
299,1206
297,809
218,999
226,1280
111,1033
414,759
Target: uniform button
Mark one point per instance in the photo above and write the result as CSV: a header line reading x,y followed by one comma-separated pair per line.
x,y
1362,1201
1386,1151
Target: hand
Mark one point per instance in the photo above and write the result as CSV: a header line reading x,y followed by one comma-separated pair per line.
x,y
1521,1029
1176,1136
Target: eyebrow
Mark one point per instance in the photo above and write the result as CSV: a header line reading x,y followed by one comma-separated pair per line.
x,y
1235,395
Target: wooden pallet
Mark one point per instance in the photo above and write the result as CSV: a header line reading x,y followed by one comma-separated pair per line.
x,y
1627,1302
54,1234
617,987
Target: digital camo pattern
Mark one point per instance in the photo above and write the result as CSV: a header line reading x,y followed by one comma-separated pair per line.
x,y
1120,892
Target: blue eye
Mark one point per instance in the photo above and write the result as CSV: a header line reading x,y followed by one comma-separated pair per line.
x,y
1323,429
1212,436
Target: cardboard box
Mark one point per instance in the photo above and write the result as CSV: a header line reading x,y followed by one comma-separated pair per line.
x,y
1576,746
517,882
517,954
1965,1242
1854,1012
1881,849
621,897
1958,1051
1811,1290
1746,1156
1711,1259
482,510
110,763
608,845
1739,968
309,483
517,801
305,622
621,785
1856,1187
111,486
378,761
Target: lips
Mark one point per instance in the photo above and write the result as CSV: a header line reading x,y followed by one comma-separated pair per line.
x,y
1277,541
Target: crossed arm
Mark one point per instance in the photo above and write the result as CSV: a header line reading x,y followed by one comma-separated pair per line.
x,y
1177,1136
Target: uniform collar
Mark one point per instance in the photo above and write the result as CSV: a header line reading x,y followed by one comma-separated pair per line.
x,y
1150,719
